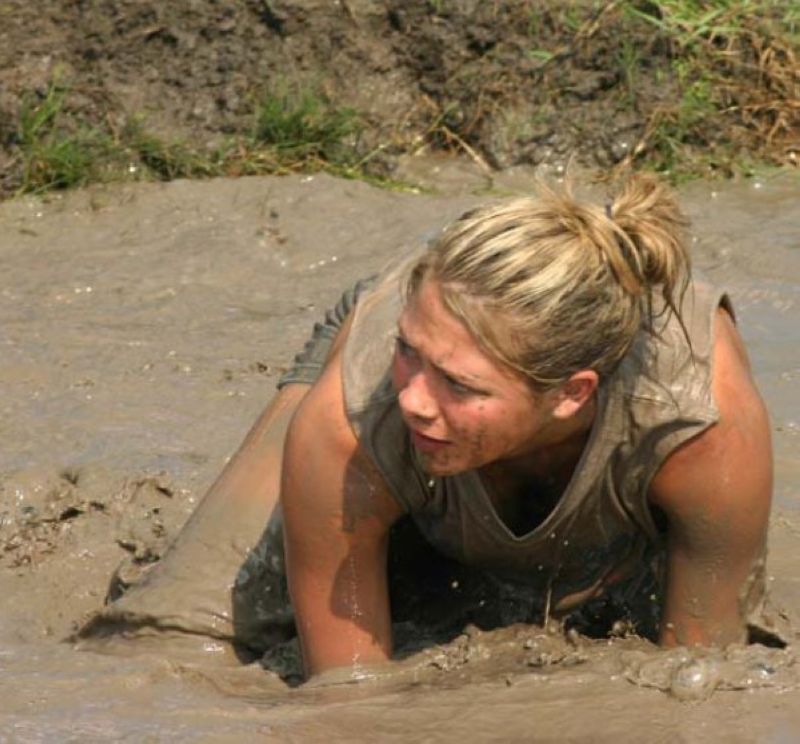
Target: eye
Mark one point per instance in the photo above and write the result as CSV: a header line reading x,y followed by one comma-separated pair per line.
x,y
459,388
403,347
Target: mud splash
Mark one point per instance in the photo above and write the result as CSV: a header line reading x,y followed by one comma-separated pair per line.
x,y
143,329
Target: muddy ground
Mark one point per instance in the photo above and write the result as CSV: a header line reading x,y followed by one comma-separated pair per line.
x,y
144,326
143,329
507,83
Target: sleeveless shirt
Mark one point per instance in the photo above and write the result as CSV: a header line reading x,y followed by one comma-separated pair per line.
x,y
601,532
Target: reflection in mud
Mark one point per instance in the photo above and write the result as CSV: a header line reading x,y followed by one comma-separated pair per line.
x,y
143,329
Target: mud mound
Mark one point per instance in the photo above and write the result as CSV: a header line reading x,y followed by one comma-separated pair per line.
x,y
507,83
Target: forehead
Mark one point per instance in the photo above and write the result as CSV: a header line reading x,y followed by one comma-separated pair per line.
x,y
444,340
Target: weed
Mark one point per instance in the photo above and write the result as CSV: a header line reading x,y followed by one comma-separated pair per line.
x,y
162,160
54,157
300,124
629,61
295,130
706,85
733,78
59,163
37,117
688,22
534,22
542,55
572,16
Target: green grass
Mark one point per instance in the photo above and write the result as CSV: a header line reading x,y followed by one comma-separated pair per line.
x,y
630,61
53,157
300,124
295,129
706,83
162,160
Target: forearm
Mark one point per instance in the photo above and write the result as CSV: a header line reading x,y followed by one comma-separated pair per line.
x,y
342,617
715,567
246,492
704,602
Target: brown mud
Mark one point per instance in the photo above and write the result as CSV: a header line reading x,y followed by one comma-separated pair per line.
x,y
143,329
506,83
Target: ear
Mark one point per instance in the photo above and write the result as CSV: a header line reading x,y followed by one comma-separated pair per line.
x,y
575,393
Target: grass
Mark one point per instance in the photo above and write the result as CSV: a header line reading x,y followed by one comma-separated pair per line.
x,y
714,83
302,124
735,83
711,85
53,157
58,150
295,129
630,61
160,159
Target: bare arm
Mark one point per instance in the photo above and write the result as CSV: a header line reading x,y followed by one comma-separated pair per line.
x,y
337,515
715,492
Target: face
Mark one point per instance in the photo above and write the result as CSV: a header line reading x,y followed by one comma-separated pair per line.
x,y
464,409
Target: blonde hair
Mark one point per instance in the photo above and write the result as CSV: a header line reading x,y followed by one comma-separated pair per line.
x,y
551,285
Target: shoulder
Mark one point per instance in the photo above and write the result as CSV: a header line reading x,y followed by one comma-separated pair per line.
x,y
321,427
328,481
667,371
731,460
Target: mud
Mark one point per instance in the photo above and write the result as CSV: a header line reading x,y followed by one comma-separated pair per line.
x,y
143,329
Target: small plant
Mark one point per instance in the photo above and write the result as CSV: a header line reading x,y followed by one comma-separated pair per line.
x,y
689,87
296,130
688,22
54,157
541,55
629,61
37,118
163,160
300,124
534,21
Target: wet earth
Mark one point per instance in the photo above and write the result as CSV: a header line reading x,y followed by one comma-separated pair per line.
x,y
143,329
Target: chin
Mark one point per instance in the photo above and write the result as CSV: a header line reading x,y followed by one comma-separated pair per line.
x,y
441,469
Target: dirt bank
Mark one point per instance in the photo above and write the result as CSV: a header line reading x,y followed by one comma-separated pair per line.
x,y
507,83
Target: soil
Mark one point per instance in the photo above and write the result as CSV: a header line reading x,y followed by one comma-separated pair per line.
x,y
508,83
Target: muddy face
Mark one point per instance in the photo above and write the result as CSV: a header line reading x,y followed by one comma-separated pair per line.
x,y
463,409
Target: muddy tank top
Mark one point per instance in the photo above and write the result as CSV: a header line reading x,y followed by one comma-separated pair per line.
x,y
601,531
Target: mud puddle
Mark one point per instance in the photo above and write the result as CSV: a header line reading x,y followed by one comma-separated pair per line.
x,y
143,330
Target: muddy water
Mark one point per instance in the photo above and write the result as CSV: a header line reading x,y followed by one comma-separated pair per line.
x,y
142,330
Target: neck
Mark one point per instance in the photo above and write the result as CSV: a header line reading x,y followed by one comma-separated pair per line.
x,y
556,451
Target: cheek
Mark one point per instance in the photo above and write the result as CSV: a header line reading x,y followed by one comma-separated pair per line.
x,y
472,425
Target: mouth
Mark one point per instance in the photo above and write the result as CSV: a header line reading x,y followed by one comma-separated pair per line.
x,y
427,444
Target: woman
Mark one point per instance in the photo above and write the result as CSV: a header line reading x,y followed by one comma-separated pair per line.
x,y
553,400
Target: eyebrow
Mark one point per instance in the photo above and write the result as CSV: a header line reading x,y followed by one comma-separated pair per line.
x,y
455,376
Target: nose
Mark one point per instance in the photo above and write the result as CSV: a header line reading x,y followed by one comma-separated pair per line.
x,y
415,398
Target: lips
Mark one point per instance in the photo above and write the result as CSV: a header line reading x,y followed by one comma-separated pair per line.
x,y
427,444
